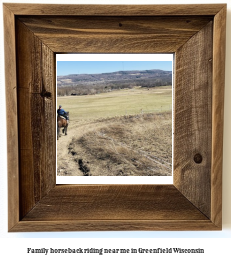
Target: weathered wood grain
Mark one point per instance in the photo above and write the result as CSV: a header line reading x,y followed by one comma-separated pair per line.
x,y
11,115
108,202
114,10
193,126
218,115
71,25
36,95
114,225
48,94
115,34
112,44
108,207
29,184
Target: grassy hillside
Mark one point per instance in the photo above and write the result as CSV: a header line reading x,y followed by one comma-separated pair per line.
x,y
120,133
87,84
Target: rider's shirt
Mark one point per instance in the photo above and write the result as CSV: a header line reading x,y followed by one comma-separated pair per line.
x,y
61,112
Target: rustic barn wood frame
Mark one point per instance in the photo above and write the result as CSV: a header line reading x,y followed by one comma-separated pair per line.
x,y
34,33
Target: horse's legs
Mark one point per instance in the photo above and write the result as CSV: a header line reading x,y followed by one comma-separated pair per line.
x,y
65,129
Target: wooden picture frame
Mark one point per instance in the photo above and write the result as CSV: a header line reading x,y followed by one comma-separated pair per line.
x,y
34,33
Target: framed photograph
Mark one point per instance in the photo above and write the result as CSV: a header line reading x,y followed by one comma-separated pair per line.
x,y
35,35
119,128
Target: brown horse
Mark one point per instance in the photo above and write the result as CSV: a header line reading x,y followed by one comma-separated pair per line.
x,y
62,122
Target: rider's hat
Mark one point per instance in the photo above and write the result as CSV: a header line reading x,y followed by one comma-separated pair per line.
x,y
60,106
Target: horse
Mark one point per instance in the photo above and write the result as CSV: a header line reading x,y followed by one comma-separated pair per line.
x,y
62,122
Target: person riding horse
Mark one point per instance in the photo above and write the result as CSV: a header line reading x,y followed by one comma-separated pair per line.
x,y
62,112
62,120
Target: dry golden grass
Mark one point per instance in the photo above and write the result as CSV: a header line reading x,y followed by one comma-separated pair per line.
x,y
137,145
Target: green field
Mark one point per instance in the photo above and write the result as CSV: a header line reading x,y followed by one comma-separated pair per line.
x,y
118,103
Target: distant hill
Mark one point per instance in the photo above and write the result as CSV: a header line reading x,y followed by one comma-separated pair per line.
x,y
84,84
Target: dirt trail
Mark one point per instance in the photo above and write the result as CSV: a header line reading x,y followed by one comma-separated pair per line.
x,y
66,166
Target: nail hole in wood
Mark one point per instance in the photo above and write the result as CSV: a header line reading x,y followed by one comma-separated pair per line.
x,y
198,158
45,94
120,24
